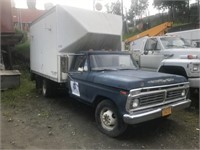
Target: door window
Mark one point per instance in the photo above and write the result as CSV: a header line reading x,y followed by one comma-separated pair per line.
x,y
79,64
152,45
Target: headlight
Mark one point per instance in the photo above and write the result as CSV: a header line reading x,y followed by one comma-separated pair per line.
x,y
183,93
135,103
195,67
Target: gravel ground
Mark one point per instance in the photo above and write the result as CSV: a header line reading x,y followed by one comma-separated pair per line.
x,y
64,123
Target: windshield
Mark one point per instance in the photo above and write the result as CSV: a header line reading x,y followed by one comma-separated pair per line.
x,y
100,62
174,42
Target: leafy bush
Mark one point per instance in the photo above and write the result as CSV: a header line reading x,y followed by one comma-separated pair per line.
x,y
23,49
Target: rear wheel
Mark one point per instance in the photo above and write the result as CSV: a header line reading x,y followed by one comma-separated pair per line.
x,y
47,88
108,119
38,82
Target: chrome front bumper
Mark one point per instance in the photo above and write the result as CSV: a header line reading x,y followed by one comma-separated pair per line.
x,y
153,113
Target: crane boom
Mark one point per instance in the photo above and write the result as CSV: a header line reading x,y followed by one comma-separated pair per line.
x,y
155,31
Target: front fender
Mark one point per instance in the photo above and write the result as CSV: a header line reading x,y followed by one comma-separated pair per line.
x,y
110,93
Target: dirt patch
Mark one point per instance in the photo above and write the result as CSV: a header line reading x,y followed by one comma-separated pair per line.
x,y
64,123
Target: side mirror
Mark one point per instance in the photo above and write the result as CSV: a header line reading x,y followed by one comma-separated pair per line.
x,y
145,52
80,69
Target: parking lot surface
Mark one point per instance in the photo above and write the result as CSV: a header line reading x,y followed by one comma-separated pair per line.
x,y
64,123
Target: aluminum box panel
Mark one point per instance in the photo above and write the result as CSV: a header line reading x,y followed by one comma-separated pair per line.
x,y
64,30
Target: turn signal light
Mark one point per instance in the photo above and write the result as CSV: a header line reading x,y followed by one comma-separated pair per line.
x,y
191,56
123,93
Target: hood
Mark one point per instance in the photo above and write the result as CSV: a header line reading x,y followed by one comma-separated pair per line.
x,y
178,53
130,79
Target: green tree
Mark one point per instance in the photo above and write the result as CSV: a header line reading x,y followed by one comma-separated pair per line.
x,y
114,8
173,6
137,8
194,13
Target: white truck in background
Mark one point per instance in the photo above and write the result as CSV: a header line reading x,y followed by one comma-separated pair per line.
x,y
169,54
192,36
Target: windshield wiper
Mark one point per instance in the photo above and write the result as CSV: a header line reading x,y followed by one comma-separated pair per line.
x,y
105,69
187,45
171,45
126,69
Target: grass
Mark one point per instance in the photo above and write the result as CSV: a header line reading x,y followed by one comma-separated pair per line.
x,y
13,97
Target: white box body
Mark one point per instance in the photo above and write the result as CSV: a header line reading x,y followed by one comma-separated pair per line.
x,y
64,30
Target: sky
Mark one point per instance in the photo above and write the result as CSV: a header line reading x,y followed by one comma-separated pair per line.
x,y
85,4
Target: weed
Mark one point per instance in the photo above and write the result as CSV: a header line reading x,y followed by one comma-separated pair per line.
x,y
14,97
44,114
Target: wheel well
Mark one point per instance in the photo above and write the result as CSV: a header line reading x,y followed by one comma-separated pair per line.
x,y
173,70
98,99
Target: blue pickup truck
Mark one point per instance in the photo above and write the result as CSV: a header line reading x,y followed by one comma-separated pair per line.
x,y
108,80
121,94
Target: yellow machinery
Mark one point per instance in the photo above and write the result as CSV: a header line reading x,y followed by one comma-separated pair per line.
x,y
155,31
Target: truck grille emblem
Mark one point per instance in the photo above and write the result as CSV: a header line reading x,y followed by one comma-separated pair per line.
x,y
161,80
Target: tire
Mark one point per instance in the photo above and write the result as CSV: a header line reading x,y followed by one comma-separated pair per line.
x,y
38,82
194,96
47,88
108,119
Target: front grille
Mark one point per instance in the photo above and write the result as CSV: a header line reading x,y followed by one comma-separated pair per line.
x,y
151,99
156,96
174,94
164,95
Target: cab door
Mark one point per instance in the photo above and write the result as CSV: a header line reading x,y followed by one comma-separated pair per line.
x,y
152,55
78,74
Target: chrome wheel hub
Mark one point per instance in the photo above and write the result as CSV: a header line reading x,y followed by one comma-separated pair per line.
x,y
44,88
108,119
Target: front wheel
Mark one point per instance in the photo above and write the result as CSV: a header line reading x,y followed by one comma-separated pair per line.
x,y
108,119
